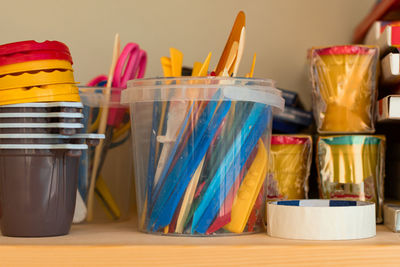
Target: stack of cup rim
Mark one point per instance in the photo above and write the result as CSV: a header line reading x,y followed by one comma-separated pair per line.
x,y
40,140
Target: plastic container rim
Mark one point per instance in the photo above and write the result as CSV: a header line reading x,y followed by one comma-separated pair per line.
x,y
43,146
51,136
94,96
238,89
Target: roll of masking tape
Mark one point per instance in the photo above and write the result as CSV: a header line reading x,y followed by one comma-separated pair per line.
x,y
321,219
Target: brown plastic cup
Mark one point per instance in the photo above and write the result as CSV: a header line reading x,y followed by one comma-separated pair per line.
x,y
40,120
54,128
44,117
40,130
31,141
89,139
28,109
42,107
37,191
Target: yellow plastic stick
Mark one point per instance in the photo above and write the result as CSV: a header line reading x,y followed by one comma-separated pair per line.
x,y
248,191
176,62
166,66
196,68
125,128
95,125
106,198
204,67
251,73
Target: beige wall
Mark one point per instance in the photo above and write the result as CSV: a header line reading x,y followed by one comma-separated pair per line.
x,y
279,31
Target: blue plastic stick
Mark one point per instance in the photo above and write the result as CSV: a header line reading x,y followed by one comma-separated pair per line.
x,y
194,158
195,138
165,187
152,152
172,153
220,177
219,197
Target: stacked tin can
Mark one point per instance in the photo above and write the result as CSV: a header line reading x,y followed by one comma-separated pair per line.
x,y
40,139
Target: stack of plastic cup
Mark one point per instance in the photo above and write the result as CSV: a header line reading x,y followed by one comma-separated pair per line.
x,y
36,72
40,140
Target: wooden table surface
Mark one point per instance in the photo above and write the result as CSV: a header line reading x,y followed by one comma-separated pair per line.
x,y
120,244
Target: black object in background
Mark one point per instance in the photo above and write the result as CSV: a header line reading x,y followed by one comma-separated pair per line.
x,y
186,71
392,162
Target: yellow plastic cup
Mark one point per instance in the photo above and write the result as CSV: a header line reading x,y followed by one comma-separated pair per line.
x,y
35,65
290,164
346,82
70,97
25,95
28,79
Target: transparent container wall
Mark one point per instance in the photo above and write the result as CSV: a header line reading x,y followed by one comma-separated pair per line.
x,y
352,167
344,82
290,167
194,187
114,194
200,164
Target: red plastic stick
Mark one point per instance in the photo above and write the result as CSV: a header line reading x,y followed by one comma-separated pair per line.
x,y
253,214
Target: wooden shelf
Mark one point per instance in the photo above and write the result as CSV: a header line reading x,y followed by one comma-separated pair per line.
x,y
119,244
385,9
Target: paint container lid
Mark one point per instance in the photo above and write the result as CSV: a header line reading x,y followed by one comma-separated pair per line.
x,y
42,125
42,115
45,146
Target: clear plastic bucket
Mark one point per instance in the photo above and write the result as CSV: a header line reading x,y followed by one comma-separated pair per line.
x,y
113,190
201,149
